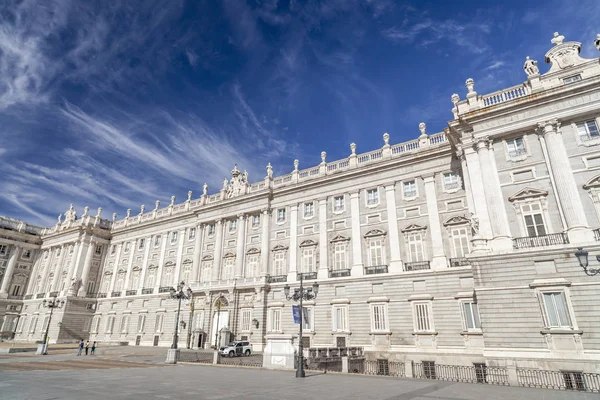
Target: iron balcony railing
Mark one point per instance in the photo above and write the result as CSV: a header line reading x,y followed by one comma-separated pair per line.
x,y
376,269
15,297
276,278
338,273
597,234
40,295
530,242
164,289
477,373
307,275
101,295
115,294
560,380
147,290
417,265
53,294
130,292
459,262
28,296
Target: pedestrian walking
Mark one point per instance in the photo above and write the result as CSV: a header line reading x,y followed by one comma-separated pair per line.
x,y
87,347
80,347
93,348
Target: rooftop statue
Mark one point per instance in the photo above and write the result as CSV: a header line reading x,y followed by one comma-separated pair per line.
x,y
531,67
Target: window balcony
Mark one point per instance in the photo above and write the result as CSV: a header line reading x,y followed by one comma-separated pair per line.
x,y
130,292
276,278
339,273
101,295
451,186
597,234
417,266
40,295
164,289
15,297
29,296
459,262
147,290
53,294
540,241
376,269
307,275
115,294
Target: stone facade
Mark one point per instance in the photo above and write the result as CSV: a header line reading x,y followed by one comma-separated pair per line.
x,y
456,247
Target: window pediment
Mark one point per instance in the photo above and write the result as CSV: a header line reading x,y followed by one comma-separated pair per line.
x,y
136,268
229,255
456,220
207,257
340,238
308,243
187,261
374,233
151,266
280,247
414,227
253,250
169,264
593,183
528,193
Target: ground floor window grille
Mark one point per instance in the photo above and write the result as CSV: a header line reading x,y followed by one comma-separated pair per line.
x,y
429,369
340,341
481,373
574,381
383,367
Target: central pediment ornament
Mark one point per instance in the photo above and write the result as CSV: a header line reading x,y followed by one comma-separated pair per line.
x,y
564,54
457,220
528,193
414,227
374,233
238,185
592,183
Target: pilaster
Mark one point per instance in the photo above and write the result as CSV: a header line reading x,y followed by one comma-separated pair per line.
x,y
86,269
292,271
323,271
264,250
10,269
45,272
478,194
179,258
161,261
145,262
218,250
396,259
357,261
240,245
35,272
439,260
197,253
129,266
73,266
57,275
115,267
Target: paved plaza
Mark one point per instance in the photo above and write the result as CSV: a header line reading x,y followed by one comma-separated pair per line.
x,y
140,373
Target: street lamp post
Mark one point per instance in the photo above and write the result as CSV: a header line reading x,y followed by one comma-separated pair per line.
x,y
221,301
179,294
582,257
51,304
301,294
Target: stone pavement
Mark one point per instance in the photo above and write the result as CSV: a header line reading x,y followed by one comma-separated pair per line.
x,y
203,382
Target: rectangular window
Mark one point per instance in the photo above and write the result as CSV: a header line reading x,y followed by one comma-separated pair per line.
x,y
372,197
471,316
27,254
422,317
192,234
516,147
98,249
127,245
415,247
340,319
279,265
3,250
534,221
308,260
206,271
113,249
375,252
571,79
211,229
246,319
307,318
460,241
338,204
339,256
173,237
252,266
96,325
574,380
588,130
309,210
451,181
232,225
228,268
158,324
379,318
110,322
281,215
32,324
275,320
255,220
141,243
409,189
557,312
16,290
124,324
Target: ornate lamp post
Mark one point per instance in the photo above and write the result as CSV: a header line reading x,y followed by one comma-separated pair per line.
x,y
301,294
51,304
179,294
582,256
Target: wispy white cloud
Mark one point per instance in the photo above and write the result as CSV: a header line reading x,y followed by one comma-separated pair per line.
x,y
495,65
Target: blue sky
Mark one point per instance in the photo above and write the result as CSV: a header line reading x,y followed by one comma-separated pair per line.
x,y
115,104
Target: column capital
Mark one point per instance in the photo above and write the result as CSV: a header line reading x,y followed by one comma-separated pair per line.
x,y
241,216
390,187
265,210
483,142
354,195
428,178
551,125
219,221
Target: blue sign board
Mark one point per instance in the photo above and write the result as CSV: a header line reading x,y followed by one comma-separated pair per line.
x,y
296,313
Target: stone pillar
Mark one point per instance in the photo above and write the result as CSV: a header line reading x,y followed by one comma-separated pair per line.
x,y
57,275
264,250
218,250
10,269
87,265
115,268
145,262
161,261
478,194
568,193
501,237
323,271
45,272
467,180
396,258
437,243
240,246
179,258
35,272
129,266
197,253
357,261
72,267
292,271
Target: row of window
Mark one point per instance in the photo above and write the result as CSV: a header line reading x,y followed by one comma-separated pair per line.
x,y
26,255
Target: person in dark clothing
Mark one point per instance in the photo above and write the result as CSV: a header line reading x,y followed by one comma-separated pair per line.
x,y
93,348
87,347
80,347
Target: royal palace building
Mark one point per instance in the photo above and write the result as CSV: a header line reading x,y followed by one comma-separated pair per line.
x,y
457,247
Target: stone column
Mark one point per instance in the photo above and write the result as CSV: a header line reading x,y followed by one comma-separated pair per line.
x,y
437,243
161,261
240,245
177,273
501,237
478,194
57,275
466,179
394,237
35,272
323,271
87,265
73,266
218,250
357,261
46,269
145,263
265,241
197,253
10,269
129,266
115,268
577,227
292,271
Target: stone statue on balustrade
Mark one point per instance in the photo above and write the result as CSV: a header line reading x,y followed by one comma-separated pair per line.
x,y
474,221
531,67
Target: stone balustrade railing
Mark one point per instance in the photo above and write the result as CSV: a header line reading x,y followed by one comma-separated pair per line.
x,y
504,95
19,226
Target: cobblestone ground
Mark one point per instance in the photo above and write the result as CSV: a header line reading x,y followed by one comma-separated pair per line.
x,y
140,373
